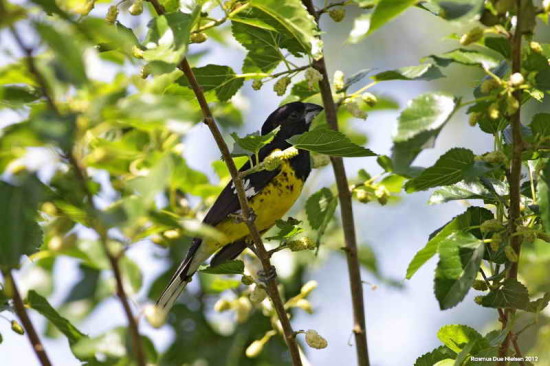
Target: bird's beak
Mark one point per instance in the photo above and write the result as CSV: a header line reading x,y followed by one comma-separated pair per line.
x,y
312,110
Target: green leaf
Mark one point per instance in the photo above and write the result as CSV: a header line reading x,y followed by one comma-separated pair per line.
x,y
428,112
514,295
221,79
19,229
386,10
360,30
433,357
320,207
453,9
40,304
131,275
450,168
499,44
254,142
228,267
262,36
456,336
294,17
148,112
111,344
540,125
55,129
155,181
168,36
287,229
68,51
418,72
543,196
542,80
473,216
326,141
16,73
460,256
13,96
468,191
466,57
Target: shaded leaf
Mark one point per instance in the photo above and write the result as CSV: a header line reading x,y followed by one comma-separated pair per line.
x,y
473,216
320,208
287,229
19,229
514,295
469,190
254,142
221,79
460,256
418,72
40,304
450,168
67,50
228,267
543,197
466,57
326,141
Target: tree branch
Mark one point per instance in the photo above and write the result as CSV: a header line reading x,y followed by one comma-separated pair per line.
x,y
263,255
514,178
36,343
83,179
346,210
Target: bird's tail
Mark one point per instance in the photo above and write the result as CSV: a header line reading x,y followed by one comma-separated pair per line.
x,y
180,279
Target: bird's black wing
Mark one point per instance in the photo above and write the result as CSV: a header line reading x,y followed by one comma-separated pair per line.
x,y
228,203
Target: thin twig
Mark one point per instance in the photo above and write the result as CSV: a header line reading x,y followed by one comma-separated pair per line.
x,y
83,180
36,343
262,253
514,178
348,226
114,263
247,217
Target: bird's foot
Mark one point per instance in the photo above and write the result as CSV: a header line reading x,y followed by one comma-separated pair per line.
x,y
266,276
238,217
251,215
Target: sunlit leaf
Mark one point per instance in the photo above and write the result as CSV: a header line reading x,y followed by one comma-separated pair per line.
x,y
168,36
386,10
457,336
294,17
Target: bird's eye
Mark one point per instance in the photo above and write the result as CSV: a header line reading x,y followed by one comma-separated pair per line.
x,y
294,115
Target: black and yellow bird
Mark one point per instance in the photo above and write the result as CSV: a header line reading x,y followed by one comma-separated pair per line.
x,y
270,194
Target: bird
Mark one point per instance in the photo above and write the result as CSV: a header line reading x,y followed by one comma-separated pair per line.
x,y
270,195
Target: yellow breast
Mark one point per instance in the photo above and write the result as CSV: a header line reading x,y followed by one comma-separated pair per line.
x,y
269,205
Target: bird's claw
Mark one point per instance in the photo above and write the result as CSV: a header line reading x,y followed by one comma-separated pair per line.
x,y
266,276
251,215
238,217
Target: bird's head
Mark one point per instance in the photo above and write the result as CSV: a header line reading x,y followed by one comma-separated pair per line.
x,y
293,118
